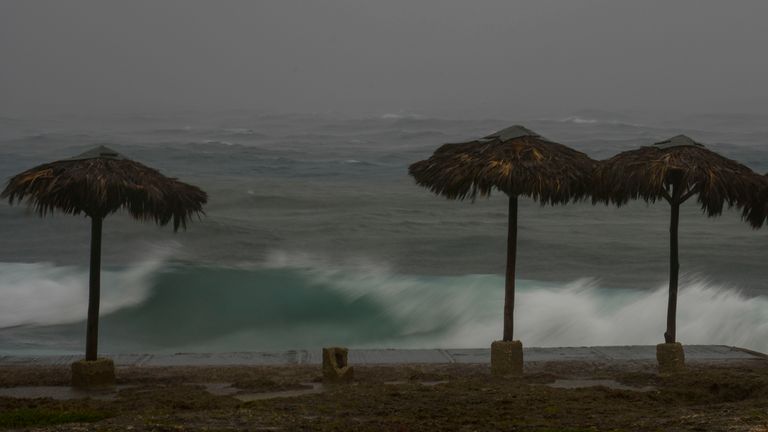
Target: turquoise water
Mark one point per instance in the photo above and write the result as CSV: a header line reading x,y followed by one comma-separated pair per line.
x,y
315,235
166,308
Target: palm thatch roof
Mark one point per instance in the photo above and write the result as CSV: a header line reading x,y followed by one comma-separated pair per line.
x,y
756,212
647,173
100,182
516,161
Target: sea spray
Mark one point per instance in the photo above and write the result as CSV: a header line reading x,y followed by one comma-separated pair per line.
x,y
290,184
302,302
44,293
465,311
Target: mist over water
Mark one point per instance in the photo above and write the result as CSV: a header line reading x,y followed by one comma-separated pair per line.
x,y
315,235
300,120
295,303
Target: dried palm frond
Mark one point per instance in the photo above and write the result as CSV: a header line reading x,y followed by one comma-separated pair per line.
x,y
515,161
101,182
649,172
756,212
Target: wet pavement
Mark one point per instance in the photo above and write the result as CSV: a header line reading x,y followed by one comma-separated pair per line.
x,y
584,383
601,355
60,392
636,354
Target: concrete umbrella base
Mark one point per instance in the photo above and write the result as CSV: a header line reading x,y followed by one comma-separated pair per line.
x,y
94,373
336,369
671,357
507,358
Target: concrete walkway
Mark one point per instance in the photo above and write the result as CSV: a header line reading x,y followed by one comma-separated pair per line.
x,y
600,355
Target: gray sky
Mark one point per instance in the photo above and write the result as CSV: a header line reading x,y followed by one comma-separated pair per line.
x,y
431,57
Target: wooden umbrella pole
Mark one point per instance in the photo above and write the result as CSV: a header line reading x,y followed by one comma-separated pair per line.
x,y
94,291
674,266
509,283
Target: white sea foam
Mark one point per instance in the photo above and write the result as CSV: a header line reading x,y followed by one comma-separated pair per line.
x,y
400,116
579,120
466,311
44,293
593,121
409,311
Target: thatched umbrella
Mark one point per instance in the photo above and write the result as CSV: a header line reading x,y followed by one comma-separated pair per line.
x,y
675,170
98,183
516,161
756,213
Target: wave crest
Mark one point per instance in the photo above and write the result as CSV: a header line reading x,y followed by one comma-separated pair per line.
x,y
299,301
466,311
46,294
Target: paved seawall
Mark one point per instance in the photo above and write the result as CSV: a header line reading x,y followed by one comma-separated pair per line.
x,y
598,355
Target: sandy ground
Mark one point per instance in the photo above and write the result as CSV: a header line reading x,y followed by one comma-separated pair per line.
x,y
711,397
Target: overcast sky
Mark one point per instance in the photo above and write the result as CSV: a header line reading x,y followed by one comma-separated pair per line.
x,y
431,57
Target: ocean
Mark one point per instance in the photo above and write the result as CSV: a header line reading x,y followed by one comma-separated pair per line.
x,y
315,235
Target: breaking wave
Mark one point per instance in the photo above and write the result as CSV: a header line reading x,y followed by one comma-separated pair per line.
x,y
43,293
301,302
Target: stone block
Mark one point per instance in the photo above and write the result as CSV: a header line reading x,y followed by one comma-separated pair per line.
x,y
94,373
336,369
507,358
671,357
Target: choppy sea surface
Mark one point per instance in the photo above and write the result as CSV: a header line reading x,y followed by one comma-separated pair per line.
x,y
316,235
